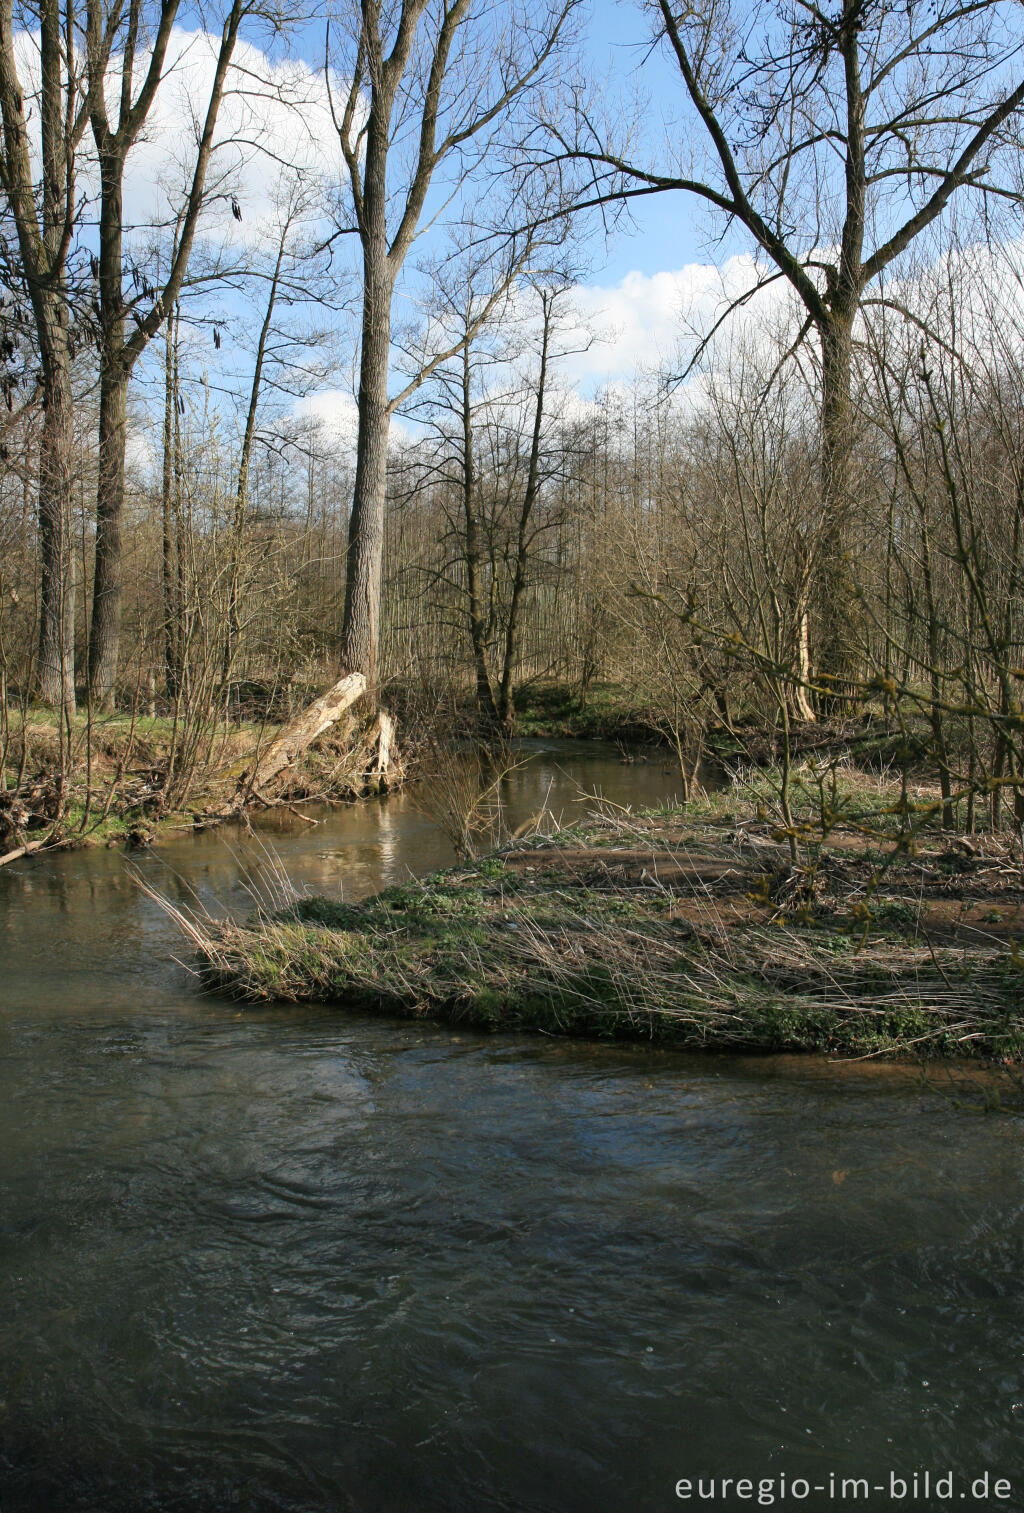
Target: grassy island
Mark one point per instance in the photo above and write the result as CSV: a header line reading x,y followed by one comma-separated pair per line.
x,y
691,927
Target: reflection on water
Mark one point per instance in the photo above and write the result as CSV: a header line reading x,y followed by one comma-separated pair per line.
x,y
288,1259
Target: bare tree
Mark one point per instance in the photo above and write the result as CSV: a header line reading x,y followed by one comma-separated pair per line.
x,y
122,25
488,304
45,229
835,136
443,76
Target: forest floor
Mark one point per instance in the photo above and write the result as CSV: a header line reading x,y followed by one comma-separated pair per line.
x,y
690,927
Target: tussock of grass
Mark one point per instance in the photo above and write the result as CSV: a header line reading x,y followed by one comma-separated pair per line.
x,y
524,940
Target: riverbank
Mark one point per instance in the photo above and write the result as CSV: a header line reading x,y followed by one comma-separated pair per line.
x,y
130,780
548,709
690,927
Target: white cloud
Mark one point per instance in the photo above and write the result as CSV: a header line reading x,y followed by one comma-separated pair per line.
x,y
335,409
273,113
645,322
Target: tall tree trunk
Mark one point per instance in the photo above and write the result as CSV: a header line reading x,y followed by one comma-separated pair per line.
x,y
505,707
118,357
242,485
935,675
836,658
56,674
105,628
477,624
361,625
171,601
44,224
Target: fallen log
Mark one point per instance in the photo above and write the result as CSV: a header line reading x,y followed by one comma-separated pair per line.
x,y
300,733
26,850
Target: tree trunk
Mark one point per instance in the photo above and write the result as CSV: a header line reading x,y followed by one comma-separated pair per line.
x,y
505,706
105,625
118,357
361,625
171,599
105,628
803,709
935,676
56,675
242,485
836,660
301,732
477,627
44,235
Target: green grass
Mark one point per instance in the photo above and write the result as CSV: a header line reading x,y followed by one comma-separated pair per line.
x,y
561,951
556,709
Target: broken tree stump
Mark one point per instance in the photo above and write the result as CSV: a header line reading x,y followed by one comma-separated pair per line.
x,y
385,732
300,733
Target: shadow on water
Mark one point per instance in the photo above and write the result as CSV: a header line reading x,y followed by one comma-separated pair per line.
x,y
289,1259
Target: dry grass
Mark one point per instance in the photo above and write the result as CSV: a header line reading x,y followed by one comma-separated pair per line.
x,y
532,939
461,790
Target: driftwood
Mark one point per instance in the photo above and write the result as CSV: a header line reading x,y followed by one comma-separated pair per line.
x,y
20,851
300,733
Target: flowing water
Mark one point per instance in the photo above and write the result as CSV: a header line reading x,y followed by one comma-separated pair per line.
x,y
285,1258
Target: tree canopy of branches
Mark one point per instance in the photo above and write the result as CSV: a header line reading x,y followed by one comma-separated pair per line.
x,y
431,86
835,136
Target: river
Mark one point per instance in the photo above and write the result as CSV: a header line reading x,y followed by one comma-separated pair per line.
x,y
284,1258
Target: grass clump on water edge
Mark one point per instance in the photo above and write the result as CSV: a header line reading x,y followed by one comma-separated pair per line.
x,y
610,935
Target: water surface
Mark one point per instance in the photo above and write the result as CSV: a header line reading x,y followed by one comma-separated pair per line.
x,y
290,1259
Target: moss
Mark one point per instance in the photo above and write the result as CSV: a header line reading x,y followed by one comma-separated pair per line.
x,y
487,1007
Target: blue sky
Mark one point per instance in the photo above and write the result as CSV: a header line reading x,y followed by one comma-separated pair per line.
x,y
639,283
670,229
641,289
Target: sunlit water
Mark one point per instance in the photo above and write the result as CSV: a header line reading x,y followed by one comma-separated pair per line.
x,y
289,1259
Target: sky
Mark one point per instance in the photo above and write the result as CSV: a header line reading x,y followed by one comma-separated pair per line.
x,y
640,287
662,272
670,231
